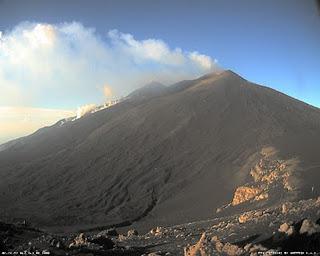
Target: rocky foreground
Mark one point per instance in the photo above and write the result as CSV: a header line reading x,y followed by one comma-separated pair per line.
x,y
290,227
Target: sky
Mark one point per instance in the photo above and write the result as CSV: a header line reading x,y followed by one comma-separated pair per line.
x,y
56,56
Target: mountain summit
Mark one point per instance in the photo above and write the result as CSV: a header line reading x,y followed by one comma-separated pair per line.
x,y
149,90
178,155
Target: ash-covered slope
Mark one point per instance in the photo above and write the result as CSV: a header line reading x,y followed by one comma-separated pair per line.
x,y
162,159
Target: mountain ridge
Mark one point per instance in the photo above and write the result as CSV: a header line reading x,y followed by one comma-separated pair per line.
x,y
169,151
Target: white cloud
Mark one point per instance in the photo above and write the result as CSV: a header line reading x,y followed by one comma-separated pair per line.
x,y
147,50
67,64
42,35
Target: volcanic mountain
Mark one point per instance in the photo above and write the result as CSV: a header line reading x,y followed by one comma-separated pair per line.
x,y
165,155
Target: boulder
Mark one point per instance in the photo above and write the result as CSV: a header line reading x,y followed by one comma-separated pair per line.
x,y
286,228
79,240
309,227
231,249
132,232
202,248
213,246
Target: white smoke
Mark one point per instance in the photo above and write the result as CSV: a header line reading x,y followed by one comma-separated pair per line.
x,y
85,109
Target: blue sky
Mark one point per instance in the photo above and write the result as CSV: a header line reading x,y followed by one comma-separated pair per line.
x,y
274,43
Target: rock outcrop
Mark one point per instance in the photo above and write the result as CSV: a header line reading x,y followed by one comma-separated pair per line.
x,y
79,240
213,246
132,232
243,194
269,172
309,227
204,247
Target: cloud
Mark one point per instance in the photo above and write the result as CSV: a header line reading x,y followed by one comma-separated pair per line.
x,y
146,50
19,121
42,35
61,66
67,65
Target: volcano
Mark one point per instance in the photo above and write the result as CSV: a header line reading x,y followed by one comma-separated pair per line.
x,y
165,155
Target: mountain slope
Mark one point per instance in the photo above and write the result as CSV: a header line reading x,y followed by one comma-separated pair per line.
x,y
165,159
150,90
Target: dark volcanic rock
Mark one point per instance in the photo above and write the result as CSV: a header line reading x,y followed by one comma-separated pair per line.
x,y
3,247
105,242
160,160
297,241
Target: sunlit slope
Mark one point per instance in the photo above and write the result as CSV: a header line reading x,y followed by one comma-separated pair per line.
x,y
172,155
